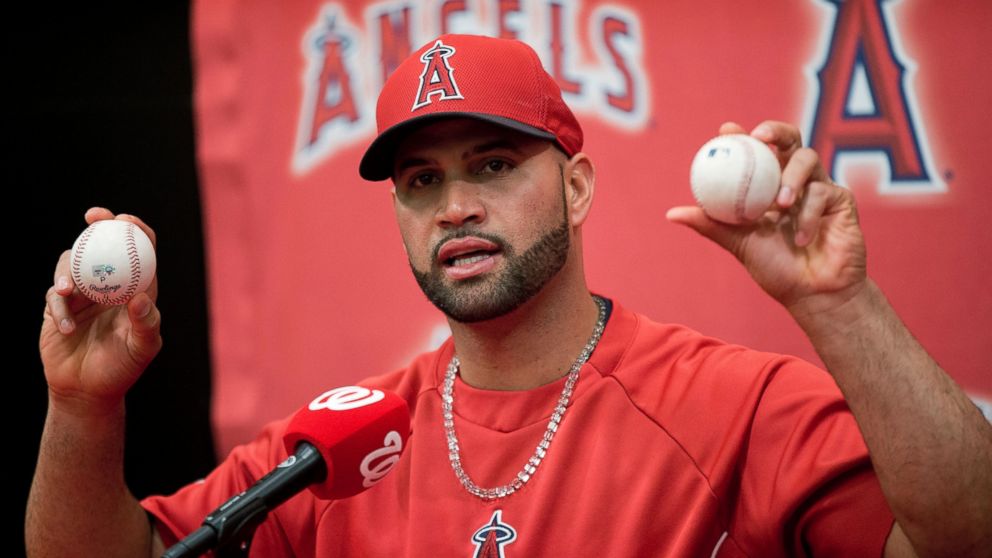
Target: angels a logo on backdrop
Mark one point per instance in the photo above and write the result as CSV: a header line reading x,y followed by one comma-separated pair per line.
x,y
863,114
346,67
336,109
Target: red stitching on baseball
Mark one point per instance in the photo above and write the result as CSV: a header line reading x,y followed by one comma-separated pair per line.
x,y
740,202
132,255
76,272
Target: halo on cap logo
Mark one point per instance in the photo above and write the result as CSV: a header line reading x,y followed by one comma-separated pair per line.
x,y
438,77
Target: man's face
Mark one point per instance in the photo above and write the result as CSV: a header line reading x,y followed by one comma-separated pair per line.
x,y
482,213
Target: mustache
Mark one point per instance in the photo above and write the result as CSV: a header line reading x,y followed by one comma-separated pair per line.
x,y
462,233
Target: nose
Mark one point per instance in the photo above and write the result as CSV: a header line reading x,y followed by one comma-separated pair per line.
x,y
460,204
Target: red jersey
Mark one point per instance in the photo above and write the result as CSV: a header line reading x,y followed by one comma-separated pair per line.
x,y
674,444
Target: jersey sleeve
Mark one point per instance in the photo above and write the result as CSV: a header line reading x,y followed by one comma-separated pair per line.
x,y
807,483
179,514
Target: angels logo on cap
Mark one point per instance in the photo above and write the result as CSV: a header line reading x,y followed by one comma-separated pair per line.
x,y
438,76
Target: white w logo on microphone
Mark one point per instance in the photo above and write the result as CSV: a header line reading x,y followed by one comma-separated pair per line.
x,y
390,455
346,398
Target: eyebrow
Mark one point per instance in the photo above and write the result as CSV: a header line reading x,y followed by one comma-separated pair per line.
x,y
494,145
481,148
407,163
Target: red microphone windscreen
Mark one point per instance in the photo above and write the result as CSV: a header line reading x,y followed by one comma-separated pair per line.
x,y
360,432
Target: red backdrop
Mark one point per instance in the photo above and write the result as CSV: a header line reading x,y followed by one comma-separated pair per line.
x,y
309,285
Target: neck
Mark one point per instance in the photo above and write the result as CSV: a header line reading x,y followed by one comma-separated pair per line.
x,y
534,345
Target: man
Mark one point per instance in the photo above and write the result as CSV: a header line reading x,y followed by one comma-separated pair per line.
x,y
556,422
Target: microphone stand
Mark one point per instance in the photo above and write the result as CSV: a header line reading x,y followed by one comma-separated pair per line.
x,y
229,529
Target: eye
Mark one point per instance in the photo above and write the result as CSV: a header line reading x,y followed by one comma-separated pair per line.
x,y
422,180
495,166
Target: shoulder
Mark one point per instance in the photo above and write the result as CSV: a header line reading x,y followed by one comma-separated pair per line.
x,y
707,393
180,513
675,358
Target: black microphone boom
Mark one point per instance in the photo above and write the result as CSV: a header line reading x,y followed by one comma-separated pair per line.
x,y
229,528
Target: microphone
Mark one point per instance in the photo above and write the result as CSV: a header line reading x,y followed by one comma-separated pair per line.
x,y
343,442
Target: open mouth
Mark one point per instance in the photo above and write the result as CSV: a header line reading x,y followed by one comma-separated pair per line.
x,y
466,259
469,256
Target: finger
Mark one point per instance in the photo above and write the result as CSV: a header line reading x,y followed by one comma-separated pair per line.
x,y
148,230
152,290
58,307
60,300
801,168
144,340
818,195
729,237
731,128
785,137
63,275
95,214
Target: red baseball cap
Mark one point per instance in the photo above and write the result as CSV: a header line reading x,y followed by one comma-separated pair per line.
x,y
496,80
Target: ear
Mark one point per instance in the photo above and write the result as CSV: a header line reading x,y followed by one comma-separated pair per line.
x,y
580,185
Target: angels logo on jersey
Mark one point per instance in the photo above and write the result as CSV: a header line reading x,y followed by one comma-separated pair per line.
x,y
492,537
437,78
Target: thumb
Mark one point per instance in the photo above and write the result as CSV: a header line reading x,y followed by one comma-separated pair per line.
x,y
144,340
727,236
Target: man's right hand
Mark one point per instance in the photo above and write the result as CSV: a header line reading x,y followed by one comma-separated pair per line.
x,y
93,353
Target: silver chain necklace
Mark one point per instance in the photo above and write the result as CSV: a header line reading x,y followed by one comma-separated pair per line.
x,y
525,474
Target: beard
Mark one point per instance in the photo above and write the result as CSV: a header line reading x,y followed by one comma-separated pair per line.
x,y
483,298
